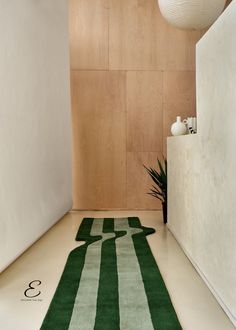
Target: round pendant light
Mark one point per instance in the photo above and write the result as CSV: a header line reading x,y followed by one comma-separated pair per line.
x,y
191,14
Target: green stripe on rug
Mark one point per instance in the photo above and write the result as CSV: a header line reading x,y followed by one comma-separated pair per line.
x,y
108,296
161,309
84,309
112,282
60,310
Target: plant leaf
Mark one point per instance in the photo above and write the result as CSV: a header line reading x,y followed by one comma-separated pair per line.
x,y
159,177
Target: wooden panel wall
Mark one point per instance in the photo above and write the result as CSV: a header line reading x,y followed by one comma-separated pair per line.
x,y
131,75
89,34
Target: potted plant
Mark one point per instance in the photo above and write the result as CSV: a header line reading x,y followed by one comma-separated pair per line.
x,y
159,189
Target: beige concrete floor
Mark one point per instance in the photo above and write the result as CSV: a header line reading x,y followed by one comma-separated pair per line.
x,y
196,307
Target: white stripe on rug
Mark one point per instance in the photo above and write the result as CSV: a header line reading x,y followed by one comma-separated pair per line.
x,y
134,309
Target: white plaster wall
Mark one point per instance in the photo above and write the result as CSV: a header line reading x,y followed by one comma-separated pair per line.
x,y
201,171
35,137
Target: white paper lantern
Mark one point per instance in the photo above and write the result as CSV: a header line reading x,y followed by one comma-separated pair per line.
x,y
191,14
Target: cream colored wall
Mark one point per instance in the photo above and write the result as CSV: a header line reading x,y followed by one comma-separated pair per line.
x,y
131,75
35,133
202,185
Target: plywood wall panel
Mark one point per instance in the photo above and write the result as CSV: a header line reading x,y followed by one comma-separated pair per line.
x,y
134,35
99,127
100,162
140,39
144,110
132,74
179,48
89,34
138,181
99,91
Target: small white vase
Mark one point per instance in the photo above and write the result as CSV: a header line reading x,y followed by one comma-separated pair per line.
x,y
178,128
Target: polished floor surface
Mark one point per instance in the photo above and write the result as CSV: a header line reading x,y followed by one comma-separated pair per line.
x,y
196,307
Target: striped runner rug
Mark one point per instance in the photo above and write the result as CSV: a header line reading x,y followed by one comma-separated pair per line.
x,y
112,282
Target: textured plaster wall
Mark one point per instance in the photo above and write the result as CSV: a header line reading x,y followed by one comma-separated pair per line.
x,y
202,181
35,138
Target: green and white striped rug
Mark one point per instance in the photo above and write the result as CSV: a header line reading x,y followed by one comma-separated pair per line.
x,y
112,282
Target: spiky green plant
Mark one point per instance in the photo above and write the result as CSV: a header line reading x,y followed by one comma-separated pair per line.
x,y
159,177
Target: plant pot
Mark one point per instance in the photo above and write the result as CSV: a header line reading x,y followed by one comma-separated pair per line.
x,y
164,210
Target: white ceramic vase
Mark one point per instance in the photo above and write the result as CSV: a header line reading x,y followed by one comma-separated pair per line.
x,y
178,128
